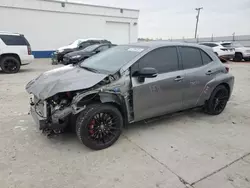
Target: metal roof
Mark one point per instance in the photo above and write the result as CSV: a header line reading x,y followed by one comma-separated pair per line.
x,y
8,33
163,43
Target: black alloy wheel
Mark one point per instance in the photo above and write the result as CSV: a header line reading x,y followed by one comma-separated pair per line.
x,y
103,128
10,65
218,100
99,126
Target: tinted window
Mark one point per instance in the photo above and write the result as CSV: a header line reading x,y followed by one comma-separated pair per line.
x,y
14,40
102,48
84,44
162,59
206,59
191,57
91,48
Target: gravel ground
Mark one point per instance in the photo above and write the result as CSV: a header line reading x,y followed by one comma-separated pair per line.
x,y
189,149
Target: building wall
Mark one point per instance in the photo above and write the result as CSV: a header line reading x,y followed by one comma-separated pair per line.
x,y
47,25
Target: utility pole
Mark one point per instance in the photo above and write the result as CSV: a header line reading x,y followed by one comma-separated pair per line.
x,y
197,20
233,36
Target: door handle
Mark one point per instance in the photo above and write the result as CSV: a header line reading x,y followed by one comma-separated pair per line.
x,y
178,78
209,72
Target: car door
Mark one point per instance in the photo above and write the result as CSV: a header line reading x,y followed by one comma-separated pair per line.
x,y
162,94
199,70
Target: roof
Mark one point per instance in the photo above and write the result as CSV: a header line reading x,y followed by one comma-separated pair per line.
x,y
8,33
163,43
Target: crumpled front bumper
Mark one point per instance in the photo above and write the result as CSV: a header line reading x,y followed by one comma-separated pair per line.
x,y
43,124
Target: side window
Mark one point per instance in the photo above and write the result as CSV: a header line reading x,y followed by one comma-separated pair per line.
x,y
102,48
84,44
191,57
14,40
205,58
163,59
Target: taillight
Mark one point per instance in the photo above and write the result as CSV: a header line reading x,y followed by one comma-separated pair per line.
x,y
29,50
227,69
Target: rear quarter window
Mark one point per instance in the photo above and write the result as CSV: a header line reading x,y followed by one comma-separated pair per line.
x,y
191,57
205,57
14,40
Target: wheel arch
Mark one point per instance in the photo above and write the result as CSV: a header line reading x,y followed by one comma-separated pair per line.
x,y
226,86
106,98
11,55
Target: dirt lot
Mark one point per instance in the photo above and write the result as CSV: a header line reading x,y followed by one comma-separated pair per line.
x,y
186,149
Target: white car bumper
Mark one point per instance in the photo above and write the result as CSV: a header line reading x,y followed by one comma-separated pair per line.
x,y
25,60
226,54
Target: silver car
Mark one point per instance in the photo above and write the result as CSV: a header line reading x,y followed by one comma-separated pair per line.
x,y
126,84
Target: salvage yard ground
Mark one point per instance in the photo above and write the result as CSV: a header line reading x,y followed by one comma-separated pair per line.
x,y
178,151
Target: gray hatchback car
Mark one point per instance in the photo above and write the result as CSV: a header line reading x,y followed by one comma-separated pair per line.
x,y
126,84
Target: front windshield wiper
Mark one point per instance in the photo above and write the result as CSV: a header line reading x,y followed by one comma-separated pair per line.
x,y
90,69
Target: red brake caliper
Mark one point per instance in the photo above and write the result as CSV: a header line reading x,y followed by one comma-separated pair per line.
x,y
91,127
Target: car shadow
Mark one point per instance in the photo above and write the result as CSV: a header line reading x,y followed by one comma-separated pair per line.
x,y
69,136
20,71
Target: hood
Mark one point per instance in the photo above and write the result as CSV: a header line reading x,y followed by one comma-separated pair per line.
x,y
81,52
67,78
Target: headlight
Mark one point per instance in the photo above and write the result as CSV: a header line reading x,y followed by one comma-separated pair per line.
x,y
76,57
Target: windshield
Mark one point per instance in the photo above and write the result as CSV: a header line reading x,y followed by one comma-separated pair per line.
x,y
91,48
75,43
112,59
232,44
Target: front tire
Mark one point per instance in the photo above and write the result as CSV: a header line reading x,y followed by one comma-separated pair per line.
x,y
217,101
99,126
10,65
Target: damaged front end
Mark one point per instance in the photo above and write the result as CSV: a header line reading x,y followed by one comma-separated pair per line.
x,y
56,112
52,113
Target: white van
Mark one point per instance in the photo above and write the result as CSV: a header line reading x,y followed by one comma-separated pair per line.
x,y
15,51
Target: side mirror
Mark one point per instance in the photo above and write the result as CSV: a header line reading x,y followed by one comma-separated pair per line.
x,y
147,72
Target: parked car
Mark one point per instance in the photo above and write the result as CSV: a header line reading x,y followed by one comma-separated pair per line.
x,y
220,50
241,52
15,51
77,56
126,84
77,45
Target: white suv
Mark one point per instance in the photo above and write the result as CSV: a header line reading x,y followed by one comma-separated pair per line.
x,y
241,52
15,51
220,50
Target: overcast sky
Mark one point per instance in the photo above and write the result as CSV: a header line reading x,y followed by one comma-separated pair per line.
x,y
176,18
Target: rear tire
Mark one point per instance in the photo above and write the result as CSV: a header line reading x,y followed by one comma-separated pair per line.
x,y
217,101
238,57
99,126
10,64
